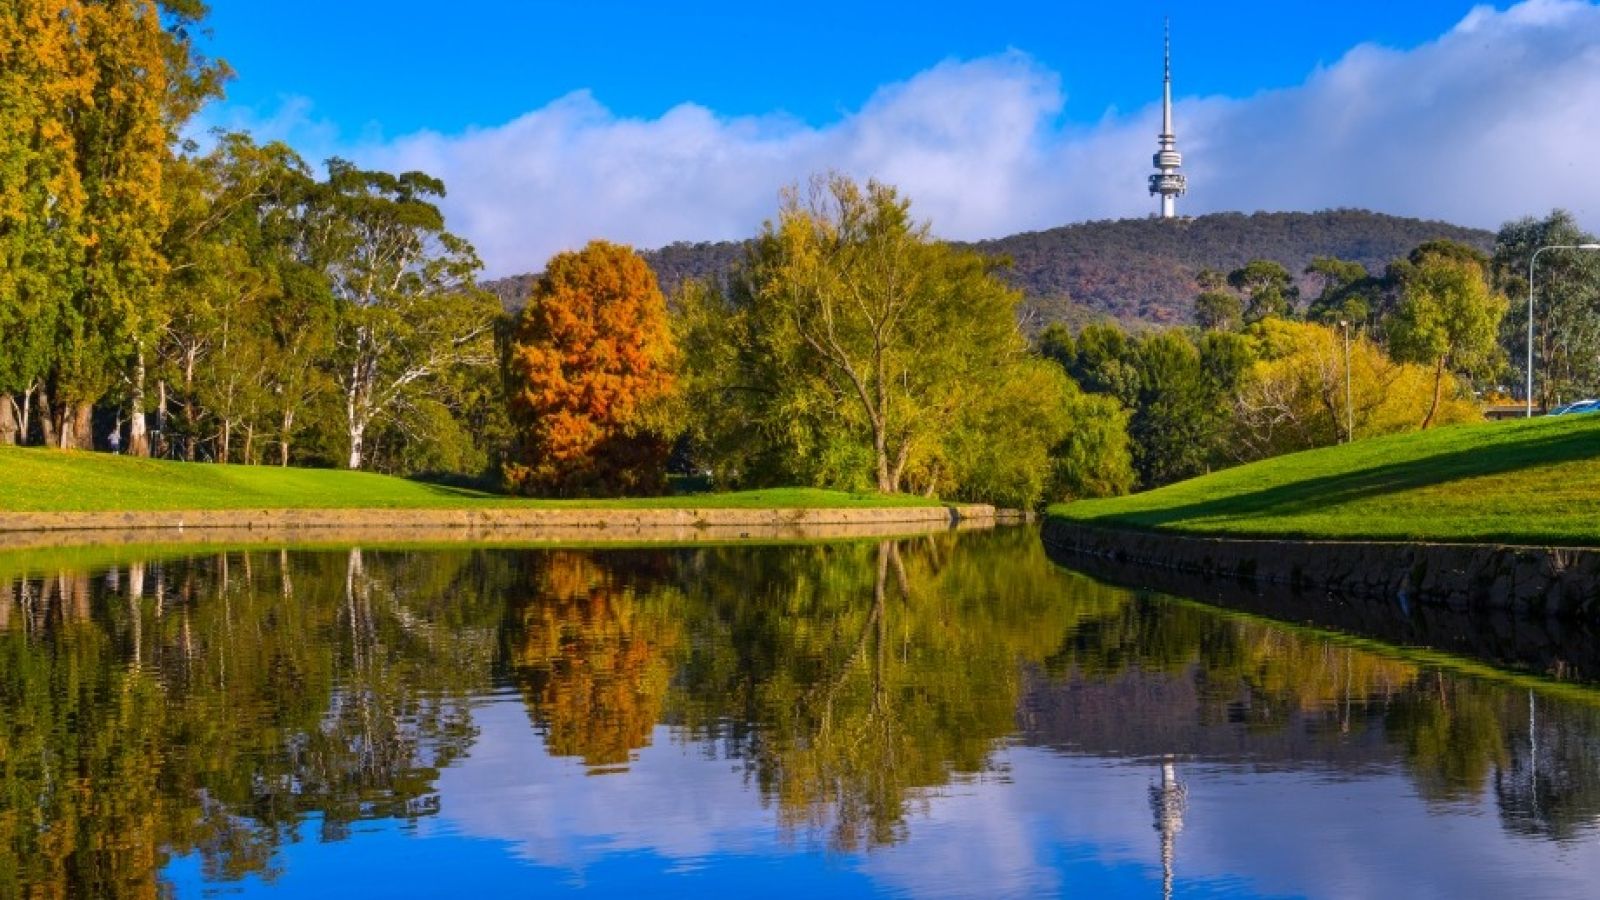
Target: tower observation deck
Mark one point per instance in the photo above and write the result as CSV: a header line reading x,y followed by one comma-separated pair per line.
x,y
1167,182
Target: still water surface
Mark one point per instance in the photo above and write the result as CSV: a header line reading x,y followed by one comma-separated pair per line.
x,y
946,716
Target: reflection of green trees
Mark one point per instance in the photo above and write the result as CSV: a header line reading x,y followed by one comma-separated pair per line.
x,y
1455,733
208,705
205,705
871,673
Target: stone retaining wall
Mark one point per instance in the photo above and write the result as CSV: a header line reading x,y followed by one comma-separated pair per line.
x,y
500,524
1558,581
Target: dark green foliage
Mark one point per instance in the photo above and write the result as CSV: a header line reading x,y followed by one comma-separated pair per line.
x,y
1348,292
1105,363
1056,344
1218,311
1176,420
1268,288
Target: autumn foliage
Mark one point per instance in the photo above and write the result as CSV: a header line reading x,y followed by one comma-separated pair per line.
x,y
589,373
594,660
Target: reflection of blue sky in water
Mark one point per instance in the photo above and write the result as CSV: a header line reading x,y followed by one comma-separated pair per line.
x,y
683,821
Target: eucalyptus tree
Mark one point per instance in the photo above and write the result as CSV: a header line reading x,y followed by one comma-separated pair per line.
x,y
407,309
1268,286
1566,311
1348,291
235,245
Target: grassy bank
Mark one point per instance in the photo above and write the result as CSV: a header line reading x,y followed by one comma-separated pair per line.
x,y
33,480
1522,481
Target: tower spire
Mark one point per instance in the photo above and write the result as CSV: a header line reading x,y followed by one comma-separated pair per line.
x,y
1167,182
1166,76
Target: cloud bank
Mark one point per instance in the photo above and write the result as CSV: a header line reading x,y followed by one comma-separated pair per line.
x,y
1492,120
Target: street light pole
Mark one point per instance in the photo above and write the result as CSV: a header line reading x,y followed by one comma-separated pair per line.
x,y
1349,408
1531,260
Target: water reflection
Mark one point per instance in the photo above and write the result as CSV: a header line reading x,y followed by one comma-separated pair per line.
x,y
190,720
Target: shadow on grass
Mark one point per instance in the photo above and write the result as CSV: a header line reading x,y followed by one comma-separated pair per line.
x,y
1313,494
458,486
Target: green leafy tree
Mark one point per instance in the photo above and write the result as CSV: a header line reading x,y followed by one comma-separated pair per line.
x,y
1448,318
1268,286
245,311
1056,344
1218,311
1177,419
1095,459
849,348
1105,363
1347,291
407,306
1566,311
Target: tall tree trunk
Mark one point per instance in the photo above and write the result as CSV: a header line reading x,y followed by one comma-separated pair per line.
x,y
138,436
162,440
227,441
1438,390
47,428
8,420
358,431
283,436
26,407
356,414
887,481
188,405
249,444
82,428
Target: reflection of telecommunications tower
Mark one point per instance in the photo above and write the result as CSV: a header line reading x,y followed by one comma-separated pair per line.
x,y
1167,181
1167,801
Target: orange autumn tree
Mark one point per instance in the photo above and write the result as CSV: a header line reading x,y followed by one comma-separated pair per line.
x,y
589,376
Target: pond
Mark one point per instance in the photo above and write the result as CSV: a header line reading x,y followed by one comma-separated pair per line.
x,y
953,715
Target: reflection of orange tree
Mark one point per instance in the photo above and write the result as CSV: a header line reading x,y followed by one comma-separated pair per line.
x,y
594,655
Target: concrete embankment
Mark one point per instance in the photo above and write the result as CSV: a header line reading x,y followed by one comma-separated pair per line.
x,y
486,525
1555,581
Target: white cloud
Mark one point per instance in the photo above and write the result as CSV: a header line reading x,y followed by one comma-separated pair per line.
x,y
1490,121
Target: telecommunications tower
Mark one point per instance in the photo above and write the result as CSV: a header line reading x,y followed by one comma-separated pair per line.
x,y
1167,181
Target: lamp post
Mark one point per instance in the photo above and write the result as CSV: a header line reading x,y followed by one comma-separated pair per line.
x,y
1531,260
1349,408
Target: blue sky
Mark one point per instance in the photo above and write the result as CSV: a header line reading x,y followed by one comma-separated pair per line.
x,y
556,123
444,66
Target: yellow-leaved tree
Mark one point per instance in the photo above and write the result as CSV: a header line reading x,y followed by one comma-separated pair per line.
x,y
1293,397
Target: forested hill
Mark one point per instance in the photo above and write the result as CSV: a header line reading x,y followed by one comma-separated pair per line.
x,y
1137,270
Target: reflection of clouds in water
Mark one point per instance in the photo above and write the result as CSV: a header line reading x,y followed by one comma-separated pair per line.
x,y
1056,824
673,800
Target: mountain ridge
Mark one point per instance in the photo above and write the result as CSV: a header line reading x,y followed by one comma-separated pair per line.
x,y
1138,271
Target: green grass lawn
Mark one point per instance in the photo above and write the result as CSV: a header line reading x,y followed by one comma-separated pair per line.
x,y
1520,481
35,480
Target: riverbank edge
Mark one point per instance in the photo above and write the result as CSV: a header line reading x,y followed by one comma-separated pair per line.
x,y
39,529
1553,581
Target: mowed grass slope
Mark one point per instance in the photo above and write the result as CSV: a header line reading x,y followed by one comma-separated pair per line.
x,y
35,480
1520,481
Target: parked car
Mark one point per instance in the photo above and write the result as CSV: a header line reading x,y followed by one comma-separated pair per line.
x,y
1582,406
